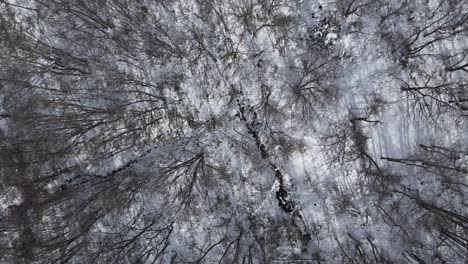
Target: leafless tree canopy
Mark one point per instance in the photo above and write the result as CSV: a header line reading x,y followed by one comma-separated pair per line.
x,y
243,131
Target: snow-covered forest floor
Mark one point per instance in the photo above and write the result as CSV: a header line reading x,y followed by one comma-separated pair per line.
x,y
233,131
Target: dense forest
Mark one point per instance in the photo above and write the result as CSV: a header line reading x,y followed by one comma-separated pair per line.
x,y
234,131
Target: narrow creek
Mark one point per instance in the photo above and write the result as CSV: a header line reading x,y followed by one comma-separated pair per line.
x,y
249,117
